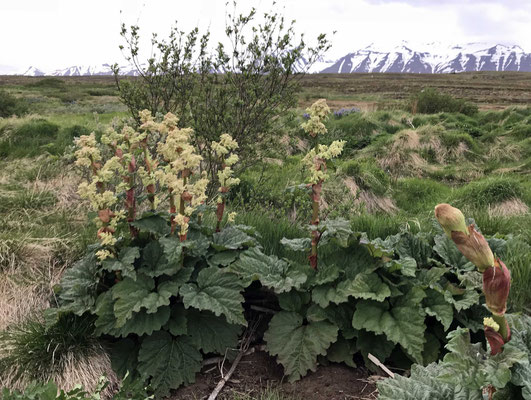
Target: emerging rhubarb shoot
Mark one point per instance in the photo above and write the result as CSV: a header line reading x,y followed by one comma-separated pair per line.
x,y
496,276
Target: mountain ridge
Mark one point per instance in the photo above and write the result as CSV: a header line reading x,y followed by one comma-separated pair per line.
x,y
405,57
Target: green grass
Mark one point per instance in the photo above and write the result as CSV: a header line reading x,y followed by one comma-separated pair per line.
x,y
491,190
26,199
415,195
518,260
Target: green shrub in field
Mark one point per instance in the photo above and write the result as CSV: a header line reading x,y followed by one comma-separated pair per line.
x,y
259,82
431,101
355,129
10,105
54,83
453,139
35,136
417,195
491,190
27,138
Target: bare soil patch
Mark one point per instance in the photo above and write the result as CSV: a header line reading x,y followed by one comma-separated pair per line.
x,y
258,371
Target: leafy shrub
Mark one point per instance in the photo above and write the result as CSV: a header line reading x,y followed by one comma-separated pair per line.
x,y
10,105
351,305
431,101
257,83
355,129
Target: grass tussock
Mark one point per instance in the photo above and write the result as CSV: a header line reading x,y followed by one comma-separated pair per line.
x,y
65,352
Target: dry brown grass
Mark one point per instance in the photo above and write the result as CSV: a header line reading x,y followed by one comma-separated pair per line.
x,y
402,156
372,202
26,283
508,208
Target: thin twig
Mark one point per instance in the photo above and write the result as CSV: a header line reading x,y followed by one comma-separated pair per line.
x,y
263,309
244,347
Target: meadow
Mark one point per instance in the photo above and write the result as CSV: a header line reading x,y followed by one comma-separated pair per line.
x,y
396,165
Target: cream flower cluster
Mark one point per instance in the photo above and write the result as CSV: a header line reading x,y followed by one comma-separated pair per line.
x,y
224,151
87,153
318,112
135,158
181,163
316,158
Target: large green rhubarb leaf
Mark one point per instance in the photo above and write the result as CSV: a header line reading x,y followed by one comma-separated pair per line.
x,y
231,238
139,323
342,351
460,298
211,334
124,263
378,247
79,285
363,286
402,324
297,345
298,244
173,249
272,272
424,385
124,354
217,290
436,306
448,251
336,229
521,339
470,365
152,224
132,296
169,362
154,262
415,246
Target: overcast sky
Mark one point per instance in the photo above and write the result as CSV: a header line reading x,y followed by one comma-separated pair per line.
x,y
58,33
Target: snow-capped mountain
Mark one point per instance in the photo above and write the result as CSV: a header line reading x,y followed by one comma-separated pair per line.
x,y
80,70
404,58
433,58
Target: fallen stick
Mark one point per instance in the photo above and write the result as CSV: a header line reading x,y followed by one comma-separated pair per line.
x,y
244,349
227,376
380,364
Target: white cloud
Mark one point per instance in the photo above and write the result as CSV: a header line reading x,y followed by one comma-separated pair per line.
x,y
58,33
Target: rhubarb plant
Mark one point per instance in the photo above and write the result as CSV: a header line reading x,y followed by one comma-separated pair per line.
x,y
395,298
157,282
